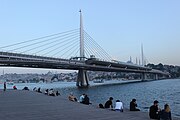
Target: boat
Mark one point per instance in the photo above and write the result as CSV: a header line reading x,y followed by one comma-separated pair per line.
x,y
10,83
98,81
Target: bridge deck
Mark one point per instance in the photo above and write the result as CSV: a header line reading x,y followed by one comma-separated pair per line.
x,y
33,61
28,105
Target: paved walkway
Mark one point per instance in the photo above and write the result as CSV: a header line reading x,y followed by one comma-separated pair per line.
x,y
29,105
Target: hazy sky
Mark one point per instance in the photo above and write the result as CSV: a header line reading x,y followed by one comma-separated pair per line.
x,y
119,26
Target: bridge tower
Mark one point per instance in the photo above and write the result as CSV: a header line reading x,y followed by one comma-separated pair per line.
x,y
82,78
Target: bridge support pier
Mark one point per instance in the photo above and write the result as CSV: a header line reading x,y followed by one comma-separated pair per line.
x,y
156,77
144,76
82,78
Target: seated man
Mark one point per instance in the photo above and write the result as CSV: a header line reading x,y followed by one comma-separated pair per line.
x,y
109,103
39,90
154,111
133,105
81,98
34,89
118,106
25,88
46,91
86,100
57,93
51,92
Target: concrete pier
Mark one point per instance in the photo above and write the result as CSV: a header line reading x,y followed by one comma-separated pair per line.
x,y
29,105
82,79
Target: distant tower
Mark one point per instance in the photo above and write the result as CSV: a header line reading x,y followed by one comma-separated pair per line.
x,y
145,62
139,62
136,61
142,54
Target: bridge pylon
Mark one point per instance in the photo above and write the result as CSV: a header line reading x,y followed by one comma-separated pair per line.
x,y
82,78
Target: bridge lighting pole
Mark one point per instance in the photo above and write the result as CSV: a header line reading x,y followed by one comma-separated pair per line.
x,y
156,77
82,78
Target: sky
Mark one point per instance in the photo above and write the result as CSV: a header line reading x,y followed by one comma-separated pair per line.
x,y
120,27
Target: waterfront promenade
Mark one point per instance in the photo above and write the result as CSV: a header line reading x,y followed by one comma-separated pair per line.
x,y
29,105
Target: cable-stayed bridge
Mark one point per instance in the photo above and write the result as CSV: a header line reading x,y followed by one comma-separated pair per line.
x,y
74,50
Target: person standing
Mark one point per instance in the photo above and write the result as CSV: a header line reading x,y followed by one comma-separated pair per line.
x,y
109,103
4,86
133,105
154,111
165,114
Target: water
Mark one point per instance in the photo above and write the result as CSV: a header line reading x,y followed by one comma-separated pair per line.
x,y
165,91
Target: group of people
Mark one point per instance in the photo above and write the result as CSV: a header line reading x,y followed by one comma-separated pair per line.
x,y
14,87
109,104
156,113
84,99
50,92
119,105
37,90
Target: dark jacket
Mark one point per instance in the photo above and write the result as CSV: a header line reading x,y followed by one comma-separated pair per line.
x,y
133,106
108,104
165,115
153,112
86,100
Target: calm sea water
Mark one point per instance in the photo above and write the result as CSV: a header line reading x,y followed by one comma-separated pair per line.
x,y
165,91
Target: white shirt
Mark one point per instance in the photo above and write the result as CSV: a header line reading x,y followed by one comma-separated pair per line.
x,y
118,106
50,91
81,98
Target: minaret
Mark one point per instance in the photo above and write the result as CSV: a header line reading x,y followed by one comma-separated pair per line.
x,y
81,38
139,62
142,54
136,61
